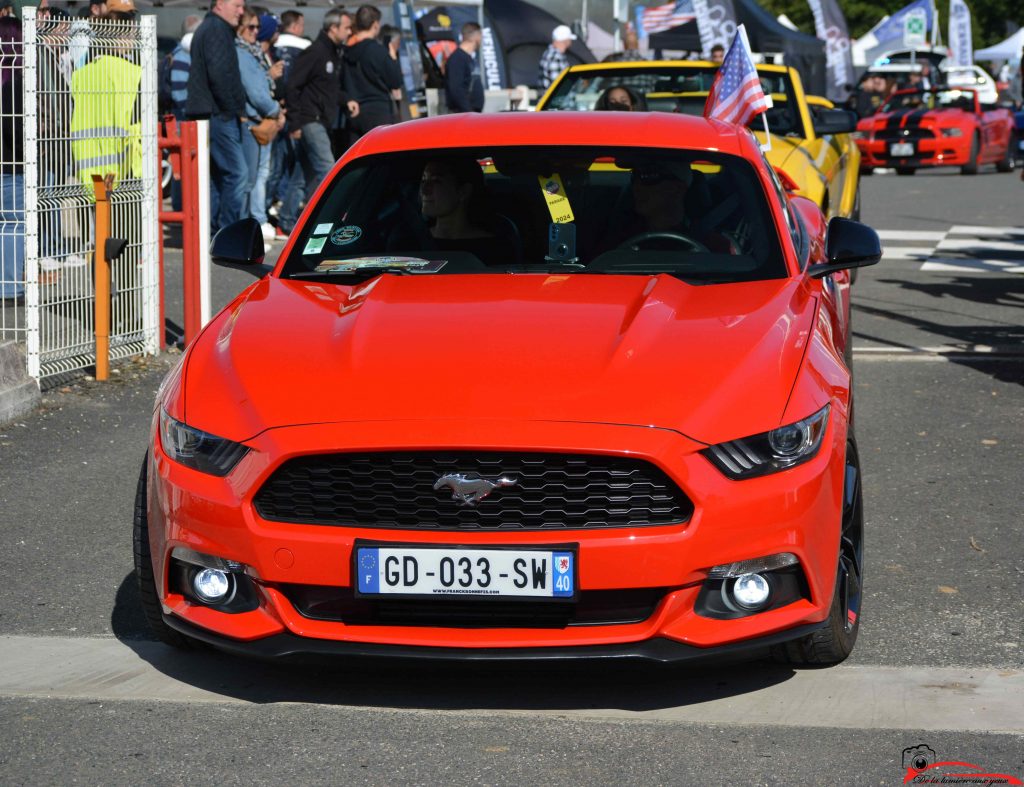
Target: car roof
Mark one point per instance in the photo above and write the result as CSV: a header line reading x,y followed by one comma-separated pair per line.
x,y
591,129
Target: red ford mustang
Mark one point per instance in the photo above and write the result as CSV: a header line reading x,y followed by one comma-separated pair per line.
x,y
504,398
937,128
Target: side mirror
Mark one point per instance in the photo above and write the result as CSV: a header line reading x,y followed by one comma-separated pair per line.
x,y
240,246
834,121
848,244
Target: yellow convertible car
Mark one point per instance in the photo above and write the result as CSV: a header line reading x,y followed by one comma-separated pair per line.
x,y
811,146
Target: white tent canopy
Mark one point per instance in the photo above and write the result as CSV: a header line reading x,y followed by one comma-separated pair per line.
x,y
1004,50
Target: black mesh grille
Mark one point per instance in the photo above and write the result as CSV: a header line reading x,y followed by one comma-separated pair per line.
x,y
904,134
593,608
396,490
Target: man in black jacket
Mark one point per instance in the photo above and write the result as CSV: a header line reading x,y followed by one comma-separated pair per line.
x,y
463,85
372,72
314,97
215,92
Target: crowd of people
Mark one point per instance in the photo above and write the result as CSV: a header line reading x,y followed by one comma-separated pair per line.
x,y
281,108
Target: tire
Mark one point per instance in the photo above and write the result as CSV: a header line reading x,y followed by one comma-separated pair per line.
x,y
1008,162
144,572
865,171
971,167
905,170
855,213
833,642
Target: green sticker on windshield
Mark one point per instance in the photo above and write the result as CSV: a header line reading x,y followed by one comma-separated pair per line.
x,y
314,245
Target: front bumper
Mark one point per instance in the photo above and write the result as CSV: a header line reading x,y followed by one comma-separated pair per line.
x,y
289,647
797,511
928,152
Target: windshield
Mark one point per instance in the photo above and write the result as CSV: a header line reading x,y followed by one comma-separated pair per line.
x,y
698,215
932,99
680,88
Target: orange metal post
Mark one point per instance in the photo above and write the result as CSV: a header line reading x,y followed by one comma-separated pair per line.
x,y
102,188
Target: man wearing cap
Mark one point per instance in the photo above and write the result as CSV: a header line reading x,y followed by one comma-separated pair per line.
x,y
553,62
215,91
663,195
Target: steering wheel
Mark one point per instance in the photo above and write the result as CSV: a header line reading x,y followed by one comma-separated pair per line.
x,y
636,241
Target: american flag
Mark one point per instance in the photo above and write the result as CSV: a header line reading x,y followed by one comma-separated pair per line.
x,y
736,95
665,17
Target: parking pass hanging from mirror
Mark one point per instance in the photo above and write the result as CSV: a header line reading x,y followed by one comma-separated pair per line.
x,y
561,230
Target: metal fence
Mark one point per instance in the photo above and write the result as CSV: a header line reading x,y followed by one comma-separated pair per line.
x,y
89,107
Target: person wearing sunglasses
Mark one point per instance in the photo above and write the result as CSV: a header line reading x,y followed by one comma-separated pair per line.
x,y
661,212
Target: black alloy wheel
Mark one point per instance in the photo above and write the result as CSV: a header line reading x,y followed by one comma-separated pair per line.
x,y
1009,162
833,642
971,167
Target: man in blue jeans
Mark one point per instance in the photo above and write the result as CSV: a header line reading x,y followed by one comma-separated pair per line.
x,y
315,96
215,92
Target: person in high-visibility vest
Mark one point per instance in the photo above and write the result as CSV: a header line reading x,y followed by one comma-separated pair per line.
x,y
106,136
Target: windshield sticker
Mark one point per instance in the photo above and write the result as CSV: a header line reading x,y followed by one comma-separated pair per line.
x,y
322,229
554,195
314,245
345,235
411,264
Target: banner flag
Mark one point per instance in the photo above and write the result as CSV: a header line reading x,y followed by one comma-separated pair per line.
x,y
736,95
716,22
960,42
830,27
890,32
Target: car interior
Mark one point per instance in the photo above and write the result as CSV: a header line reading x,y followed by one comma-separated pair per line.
x,y
373,213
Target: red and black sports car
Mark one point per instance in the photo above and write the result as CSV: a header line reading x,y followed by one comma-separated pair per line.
x,y
937,128
507,398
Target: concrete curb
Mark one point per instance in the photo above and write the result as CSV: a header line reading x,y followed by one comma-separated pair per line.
x,y
19,393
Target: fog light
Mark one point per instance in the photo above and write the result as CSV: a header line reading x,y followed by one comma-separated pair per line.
x,y
751,590
211,585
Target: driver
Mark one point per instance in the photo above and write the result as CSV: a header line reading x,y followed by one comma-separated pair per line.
x,y
660,205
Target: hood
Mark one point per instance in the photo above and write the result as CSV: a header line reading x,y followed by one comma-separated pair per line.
x,y
909,118
782,149
289,41
651,351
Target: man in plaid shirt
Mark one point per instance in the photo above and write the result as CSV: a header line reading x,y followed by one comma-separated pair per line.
x,y
553,62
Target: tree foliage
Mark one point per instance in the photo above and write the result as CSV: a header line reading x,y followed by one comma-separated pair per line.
x,y
991,20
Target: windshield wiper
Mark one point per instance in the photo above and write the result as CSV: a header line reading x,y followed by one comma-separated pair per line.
x,y
361,273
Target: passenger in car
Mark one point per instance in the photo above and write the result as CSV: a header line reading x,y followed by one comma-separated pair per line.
x,y
457,207
620,98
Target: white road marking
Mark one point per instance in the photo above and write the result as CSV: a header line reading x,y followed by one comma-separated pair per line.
x,y
979,229
853,697
910,235
971,265
907,252
958,244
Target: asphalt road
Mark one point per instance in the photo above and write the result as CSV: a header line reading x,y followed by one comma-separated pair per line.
x,y
939,370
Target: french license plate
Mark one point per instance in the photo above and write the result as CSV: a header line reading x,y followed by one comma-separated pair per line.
x,y
519,572
901,149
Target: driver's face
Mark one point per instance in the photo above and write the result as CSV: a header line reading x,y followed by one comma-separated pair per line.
x,y
439,192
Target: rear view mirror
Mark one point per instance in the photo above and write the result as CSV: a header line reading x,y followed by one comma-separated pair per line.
x,y
240,245
834,121
848,244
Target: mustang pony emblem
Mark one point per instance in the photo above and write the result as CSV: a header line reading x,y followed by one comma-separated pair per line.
x,y
470,491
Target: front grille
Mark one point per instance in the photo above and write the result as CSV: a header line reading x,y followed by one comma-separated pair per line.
x,y
592,608
396,490
904,134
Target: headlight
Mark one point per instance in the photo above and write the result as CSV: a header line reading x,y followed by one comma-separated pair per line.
x,y
201,451
770,452
951,132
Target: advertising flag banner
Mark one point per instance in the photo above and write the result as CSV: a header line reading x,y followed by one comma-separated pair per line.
x,y
664,17
736,95
716,23
890,32
830,27
960,33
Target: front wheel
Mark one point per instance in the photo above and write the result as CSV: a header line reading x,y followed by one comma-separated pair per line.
x,y
905,170
971,167
833,642
144,572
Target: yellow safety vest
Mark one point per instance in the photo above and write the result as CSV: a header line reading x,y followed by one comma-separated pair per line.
x,y
105,137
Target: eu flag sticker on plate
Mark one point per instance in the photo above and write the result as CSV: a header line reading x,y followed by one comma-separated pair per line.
x,y
562,571
369,570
